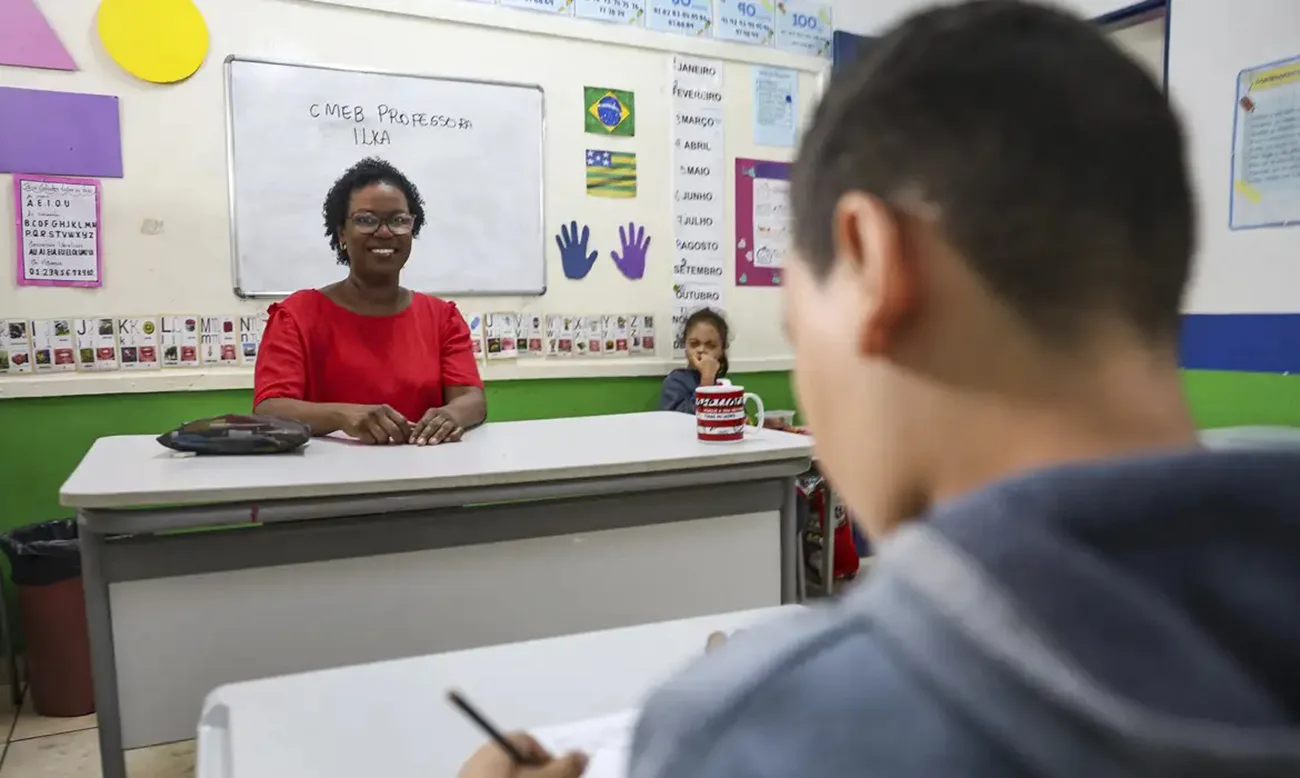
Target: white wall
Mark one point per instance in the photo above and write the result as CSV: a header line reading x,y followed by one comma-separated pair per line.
x,y
1243,271
174,155
1145,42
871,17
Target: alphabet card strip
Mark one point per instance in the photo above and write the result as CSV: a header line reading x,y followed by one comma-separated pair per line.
x,y
559,336
137,338
53,349
179,336
502,335
219,341
617,335
251,329
15,347
643,335
474,322
594,328
96,344
532,335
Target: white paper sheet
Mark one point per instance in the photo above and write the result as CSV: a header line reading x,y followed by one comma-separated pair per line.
x,y
607,742
1266,147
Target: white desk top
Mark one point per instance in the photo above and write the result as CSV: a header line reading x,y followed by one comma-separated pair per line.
x,y
392,718
136,471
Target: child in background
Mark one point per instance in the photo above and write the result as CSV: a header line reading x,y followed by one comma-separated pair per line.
x,y
705,335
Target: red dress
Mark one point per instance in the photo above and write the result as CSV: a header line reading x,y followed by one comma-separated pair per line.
x,y
315,350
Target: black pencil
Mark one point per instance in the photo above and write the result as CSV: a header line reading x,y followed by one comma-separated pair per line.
x,y
469,710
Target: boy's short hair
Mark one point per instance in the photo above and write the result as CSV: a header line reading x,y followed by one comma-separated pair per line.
x,y
1054,161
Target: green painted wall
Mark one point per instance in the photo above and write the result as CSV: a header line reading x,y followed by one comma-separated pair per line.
x,y
44,438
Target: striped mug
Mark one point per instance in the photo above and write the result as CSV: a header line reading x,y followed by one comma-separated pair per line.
x,y
720,412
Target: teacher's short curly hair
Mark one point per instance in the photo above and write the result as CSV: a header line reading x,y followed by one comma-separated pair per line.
x,y
367,172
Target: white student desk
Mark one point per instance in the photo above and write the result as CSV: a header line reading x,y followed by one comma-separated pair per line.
x,y
392,718
341,553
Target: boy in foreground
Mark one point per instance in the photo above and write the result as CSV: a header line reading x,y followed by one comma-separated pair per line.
x,y
995,229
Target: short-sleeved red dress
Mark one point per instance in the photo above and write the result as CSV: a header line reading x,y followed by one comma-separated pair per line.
x,y
315,350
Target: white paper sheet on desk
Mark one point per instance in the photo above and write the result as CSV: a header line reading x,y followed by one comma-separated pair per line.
x,y
607,742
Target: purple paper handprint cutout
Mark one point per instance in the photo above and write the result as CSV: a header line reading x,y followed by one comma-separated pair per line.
x,y
635,245
573,251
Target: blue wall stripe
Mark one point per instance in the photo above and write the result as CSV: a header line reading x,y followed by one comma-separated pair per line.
x,y
1245,342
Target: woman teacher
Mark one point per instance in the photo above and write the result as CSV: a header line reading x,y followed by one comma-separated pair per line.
x,y
366,356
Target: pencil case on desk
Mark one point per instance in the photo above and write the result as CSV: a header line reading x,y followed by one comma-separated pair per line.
x,y
235,434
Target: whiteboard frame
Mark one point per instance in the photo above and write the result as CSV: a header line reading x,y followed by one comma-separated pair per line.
x,y
230,169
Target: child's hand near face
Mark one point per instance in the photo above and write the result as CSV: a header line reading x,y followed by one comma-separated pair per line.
x,y
708,366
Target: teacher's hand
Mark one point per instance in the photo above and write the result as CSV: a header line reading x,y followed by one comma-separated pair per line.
x,y
438,425
375,425
491,762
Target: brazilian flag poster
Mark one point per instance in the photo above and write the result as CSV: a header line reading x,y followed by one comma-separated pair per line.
x,y
610,111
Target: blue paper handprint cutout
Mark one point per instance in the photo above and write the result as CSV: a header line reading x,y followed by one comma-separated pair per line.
x,y
635,245
573,251
577,260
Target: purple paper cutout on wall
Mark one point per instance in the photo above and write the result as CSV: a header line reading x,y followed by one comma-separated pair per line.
x,y
28,41
635,244
59,133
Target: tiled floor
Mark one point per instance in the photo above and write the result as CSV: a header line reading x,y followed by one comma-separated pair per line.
x,y
37,747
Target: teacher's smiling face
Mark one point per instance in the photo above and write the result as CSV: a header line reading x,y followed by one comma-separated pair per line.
x,y
377,232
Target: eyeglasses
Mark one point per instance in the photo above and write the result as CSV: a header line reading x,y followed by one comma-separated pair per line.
x,y
367,223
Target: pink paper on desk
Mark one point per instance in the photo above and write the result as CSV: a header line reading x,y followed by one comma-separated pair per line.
x,y
27,40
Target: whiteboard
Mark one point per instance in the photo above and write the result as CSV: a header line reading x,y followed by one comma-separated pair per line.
x,y
474,149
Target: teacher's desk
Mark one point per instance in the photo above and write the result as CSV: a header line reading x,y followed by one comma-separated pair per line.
x,y
203,571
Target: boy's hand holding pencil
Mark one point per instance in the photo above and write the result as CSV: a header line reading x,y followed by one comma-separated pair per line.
x,y
513,756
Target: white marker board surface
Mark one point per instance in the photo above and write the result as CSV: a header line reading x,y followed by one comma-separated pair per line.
x,y
473,149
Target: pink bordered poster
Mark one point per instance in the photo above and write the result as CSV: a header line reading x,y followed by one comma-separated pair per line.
x,y
763,221
58,231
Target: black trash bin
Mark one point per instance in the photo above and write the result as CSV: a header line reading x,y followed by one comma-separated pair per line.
x,y
46,563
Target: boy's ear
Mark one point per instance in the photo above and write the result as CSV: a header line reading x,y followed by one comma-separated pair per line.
x,y
870,248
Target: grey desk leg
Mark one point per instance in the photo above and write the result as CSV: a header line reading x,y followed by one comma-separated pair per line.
x,y
828,543
103,662
789,543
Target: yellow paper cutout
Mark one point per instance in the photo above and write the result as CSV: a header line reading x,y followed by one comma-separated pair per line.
x,y
1249,192
162,41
